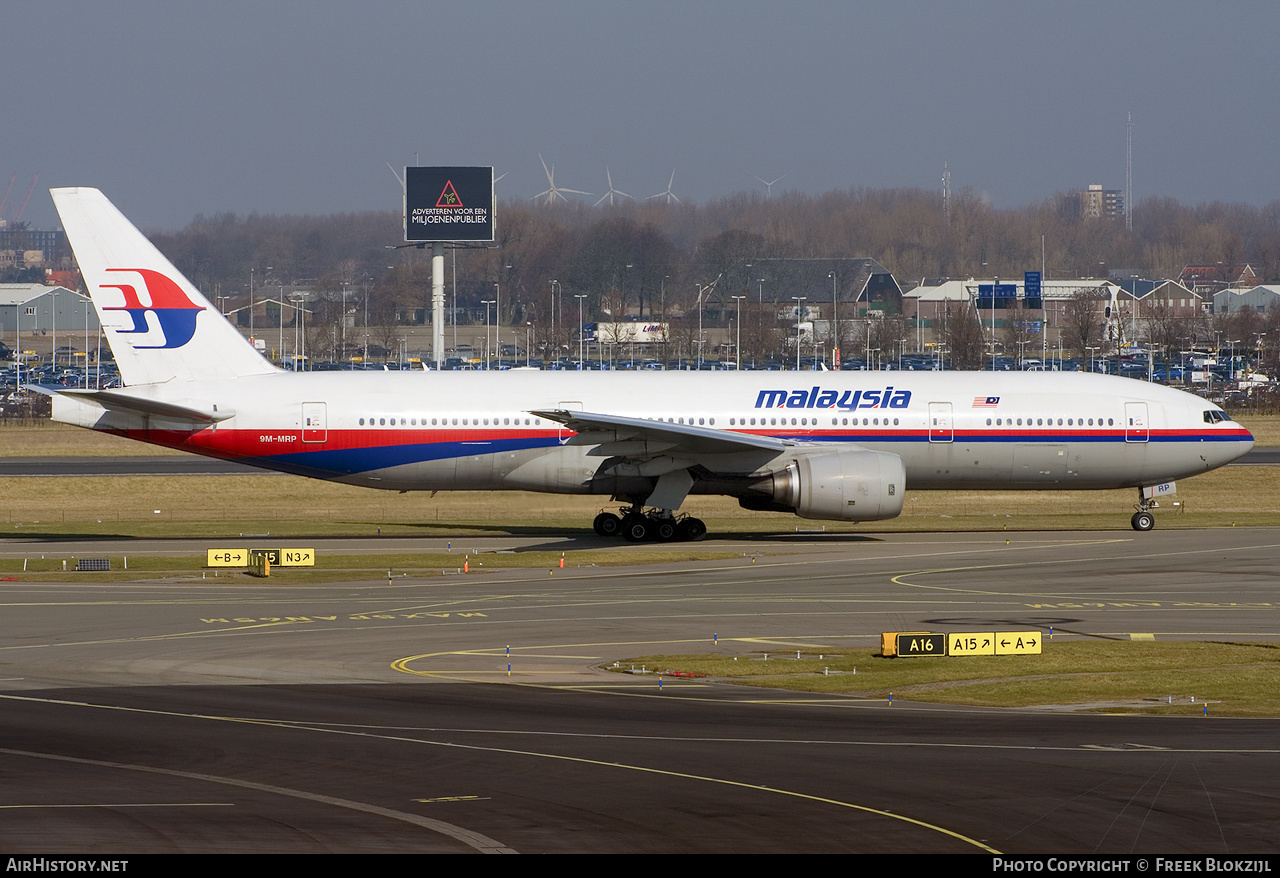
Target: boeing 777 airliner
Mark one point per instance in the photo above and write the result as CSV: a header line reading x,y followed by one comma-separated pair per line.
x,y
822,445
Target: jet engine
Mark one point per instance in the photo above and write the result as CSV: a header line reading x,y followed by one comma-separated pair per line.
x,y
847,484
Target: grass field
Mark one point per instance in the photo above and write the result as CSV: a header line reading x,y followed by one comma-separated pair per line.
x,y
1167,677
283,505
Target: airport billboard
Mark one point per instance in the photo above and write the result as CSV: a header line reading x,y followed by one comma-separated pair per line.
x,y
448,204
630,332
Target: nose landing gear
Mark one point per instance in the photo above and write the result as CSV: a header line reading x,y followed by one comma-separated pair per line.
x,y
1143,520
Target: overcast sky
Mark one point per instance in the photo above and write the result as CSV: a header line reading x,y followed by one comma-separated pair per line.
x,y
176,108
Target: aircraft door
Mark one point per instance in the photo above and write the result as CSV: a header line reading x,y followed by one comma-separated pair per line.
x,y
1135,422
314,422
940,423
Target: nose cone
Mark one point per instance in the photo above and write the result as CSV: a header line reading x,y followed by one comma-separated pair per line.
x,y
1234,445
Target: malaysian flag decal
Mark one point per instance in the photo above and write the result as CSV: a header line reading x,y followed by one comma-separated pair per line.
x,y
986,402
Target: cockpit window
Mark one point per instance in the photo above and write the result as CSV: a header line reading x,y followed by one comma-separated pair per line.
x,y
1213,416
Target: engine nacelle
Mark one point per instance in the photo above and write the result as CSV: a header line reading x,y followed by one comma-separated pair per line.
x,y
851,484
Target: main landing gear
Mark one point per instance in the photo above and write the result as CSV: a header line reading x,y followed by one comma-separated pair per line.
x,y
1143,519
636,526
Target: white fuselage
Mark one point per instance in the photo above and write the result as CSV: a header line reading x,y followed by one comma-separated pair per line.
x,y
474,430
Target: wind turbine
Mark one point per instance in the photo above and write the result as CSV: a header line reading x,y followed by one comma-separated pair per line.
x,y
612,192
669,195
768,184
552,192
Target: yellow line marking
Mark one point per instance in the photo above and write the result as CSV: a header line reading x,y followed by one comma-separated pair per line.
x,y
130,805
150,637
482,843
444,827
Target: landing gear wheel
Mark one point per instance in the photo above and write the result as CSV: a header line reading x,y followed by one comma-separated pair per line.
x,y
691,530
635,528
607,524
1143,521
664,530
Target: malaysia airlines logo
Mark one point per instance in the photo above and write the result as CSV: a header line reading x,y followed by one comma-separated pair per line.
x,y
174,313
818,397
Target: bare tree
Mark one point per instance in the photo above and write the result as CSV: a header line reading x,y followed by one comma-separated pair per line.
x,y
888,333
1016,332
1081,326
962,334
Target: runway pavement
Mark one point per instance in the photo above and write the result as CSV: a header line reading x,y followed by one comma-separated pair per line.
x,y
235,714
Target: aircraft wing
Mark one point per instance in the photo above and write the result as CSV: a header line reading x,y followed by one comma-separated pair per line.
x,y
640,438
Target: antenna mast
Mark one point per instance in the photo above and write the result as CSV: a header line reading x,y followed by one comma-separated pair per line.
x,y
946,192
1128,178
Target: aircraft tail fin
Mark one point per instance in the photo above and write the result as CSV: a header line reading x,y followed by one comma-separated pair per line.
x,y
160,328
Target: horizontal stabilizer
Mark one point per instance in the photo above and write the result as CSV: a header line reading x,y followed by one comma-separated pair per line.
x,y
123,402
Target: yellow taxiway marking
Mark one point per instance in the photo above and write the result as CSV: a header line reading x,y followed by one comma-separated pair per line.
x,y
114,805
901,578
477,839
482,843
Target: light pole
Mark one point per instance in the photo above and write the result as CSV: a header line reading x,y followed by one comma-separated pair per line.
x,y
345,355
835,329
580,297
280,322
497,320
995,287
486,303
738,348
799,312
364,356
86,304
555,311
